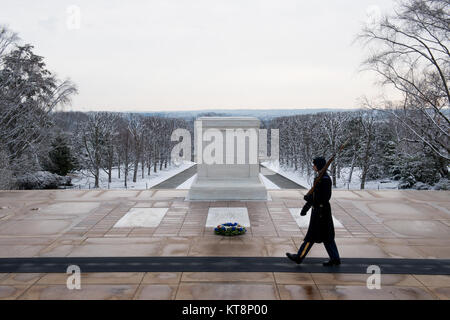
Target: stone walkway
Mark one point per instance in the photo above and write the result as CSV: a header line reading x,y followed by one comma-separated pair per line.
x,y
178,179
77,223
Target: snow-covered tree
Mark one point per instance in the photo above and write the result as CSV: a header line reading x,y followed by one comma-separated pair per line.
x,y
137,129
96,137
61,158
28,94
410,52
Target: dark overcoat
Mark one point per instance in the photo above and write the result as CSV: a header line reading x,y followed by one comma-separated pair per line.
x,y
321,228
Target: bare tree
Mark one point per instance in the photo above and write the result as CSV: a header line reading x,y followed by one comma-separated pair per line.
x,y
333,125
7,39
137,130
411,52
97,139
110,139
125,147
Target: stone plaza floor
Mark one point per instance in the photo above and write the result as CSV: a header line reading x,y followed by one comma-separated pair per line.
x,y
82,223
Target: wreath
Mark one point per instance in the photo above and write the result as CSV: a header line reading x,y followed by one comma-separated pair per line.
x,y
230,229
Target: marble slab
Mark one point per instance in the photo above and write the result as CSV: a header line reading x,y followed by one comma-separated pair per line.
x,y
75,208
221,215
303,221
142,217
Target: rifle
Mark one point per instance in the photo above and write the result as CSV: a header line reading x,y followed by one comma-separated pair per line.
x,y
324,169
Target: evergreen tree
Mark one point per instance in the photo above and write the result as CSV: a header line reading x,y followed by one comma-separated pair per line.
x,y
420,167
389,158
61,158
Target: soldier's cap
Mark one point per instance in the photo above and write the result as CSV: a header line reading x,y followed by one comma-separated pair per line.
x,y
319,162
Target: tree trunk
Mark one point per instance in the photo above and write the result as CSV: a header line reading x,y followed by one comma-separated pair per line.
x,y
338,168
126,166
352,167
365,165
149,165
110,160
155,150
333,164
136,163
363,177
126,175
97,174
118,160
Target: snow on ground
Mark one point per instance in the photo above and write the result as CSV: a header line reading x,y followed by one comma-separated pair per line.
x,y
81,180
269,184
341,183
355,184
187,184
289,173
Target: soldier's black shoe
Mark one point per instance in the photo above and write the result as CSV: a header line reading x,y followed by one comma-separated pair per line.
x,y
294,258
331,263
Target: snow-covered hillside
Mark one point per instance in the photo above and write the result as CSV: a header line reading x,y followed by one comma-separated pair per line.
x,y
341,183
82,180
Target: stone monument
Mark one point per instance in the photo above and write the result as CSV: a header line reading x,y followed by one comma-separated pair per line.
x,y
226,152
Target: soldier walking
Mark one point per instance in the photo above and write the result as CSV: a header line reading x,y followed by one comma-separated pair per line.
x,y
321,228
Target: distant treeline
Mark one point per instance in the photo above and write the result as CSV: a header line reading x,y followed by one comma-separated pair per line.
x,y
378,143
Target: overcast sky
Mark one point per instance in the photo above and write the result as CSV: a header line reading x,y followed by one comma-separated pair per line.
x,y
141,55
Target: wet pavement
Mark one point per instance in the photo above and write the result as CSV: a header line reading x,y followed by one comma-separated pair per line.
x,y
399,224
